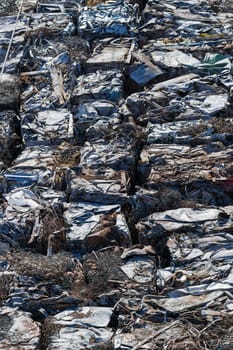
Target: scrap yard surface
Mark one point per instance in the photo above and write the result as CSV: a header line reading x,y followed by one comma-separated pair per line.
x,y
116,182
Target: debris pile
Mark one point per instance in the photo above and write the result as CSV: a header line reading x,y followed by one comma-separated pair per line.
x,y
116,182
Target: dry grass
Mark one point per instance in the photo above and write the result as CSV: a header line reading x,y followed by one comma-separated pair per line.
x,y
6,282
59,268
100,268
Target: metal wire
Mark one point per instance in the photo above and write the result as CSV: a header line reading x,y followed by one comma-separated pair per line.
x,y
11,39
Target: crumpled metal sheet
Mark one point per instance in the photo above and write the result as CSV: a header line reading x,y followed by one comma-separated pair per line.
x,y
18,330
174,58
164,103
92,316
116,18
82,325
180,304
189,219
23,219
141,269
110,57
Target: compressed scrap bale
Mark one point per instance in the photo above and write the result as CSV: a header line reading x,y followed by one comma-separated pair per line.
x,y
164,163
92,226
108,188
47,127
47,166
53,278
166,103
167,231
141,103
163,21
34,222
188,132
10,64
92,112
105,170
101,85
49,86
53,23
111,19
116,154
65,7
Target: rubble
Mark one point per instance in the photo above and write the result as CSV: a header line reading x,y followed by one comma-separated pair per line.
x,y
116,176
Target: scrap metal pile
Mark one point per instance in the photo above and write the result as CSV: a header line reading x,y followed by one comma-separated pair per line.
x,y
116,184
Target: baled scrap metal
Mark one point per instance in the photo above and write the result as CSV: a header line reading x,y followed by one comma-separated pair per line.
x,y
56,23
60,6
109,188
48,126
92,226
92,112
25,216
18,215
164,163
46,165
44,52
105,172
119,155
121,134
172,22
186,132
141,103
116,18
39,94
101,85
190,219
180,230
178,99
49,87
7,27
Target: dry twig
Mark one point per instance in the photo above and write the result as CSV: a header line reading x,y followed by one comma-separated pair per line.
x,y
151,337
